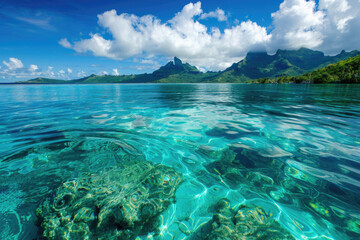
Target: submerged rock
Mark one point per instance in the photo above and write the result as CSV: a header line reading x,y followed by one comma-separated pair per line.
x,y
245,223
121,203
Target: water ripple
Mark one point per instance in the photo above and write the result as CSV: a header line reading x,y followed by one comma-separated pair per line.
x,y
292,150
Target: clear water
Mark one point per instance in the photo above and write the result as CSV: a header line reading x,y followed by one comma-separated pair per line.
x,y
298,149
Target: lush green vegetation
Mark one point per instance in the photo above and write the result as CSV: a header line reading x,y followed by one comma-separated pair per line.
x,y
346,71
283,63
283,67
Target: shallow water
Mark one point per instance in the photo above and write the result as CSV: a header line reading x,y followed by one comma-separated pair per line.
x,y
293,150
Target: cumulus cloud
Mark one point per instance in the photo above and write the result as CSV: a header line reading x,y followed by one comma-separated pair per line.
x,y
330,26
65,43
219,14
49,72
13,63
81,74
33,68
115,72
341,27
15,69
62,74
297,24
183,36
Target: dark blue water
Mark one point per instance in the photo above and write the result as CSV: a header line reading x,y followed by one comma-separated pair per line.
x,y
293,150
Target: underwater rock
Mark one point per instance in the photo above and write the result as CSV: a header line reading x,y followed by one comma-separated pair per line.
x,y
338,213
245,223
121,203
229,167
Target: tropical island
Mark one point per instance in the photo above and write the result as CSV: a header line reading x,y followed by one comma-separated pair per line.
x,y
286,66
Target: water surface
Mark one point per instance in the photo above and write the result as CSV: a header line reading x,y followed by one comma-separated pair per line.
x,y
296,150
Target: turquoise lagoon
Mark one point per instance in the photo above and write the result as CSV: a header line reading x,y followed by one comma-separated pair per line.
x,y
292,150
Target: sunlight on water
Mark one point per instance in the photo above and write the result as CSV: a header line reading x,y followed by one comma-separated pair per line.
x,y
187,161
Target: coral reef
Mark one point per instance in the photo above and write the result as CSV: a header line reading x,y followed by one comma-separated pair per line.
x,y
288,184
245,223
120,203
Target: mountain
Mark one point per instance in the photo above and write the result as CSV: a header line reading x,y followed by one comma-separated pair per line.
x,y
175,67
107,79
284,63
41,80
346,71
256,65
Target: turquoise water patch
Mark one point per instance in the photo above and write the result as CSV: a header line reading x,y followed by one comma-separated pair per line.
x,y
253,159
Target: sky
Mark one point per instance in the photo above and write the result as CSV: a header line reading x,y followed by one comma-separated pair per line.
x,y
68,39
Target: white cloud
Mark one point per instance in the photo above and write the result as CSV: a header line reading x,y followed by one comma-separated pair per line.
x,y
15,69
65,43
13,63
49,73
339,5
33,68
201,69
148,61
98,46
218,13
149,64
330,26
116,72
42,23
341,26
104,73
183,36
81,74
297,24
62,74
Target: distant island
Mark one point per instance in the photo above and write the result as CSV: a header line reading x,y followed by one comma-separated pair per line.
x,y
286,66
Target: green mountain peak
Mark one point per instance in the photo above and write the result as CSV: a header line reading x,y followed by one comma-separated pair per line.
x,y
255,65
177,61
174,67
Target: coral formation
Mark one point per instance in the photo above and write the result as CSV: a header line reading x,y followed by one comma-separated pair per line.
x,y
120,203
245,223
287,185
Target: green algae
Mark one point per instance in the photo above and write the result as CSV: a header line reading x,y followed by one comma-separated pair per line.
x,y
120,203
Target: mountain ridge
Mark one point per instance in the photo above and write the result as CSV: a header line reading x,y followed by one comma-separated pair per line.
x,y
345,71
256,65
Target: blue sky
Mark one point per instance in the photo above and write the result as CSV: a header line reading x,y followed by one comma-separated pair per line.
x,y
69,39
